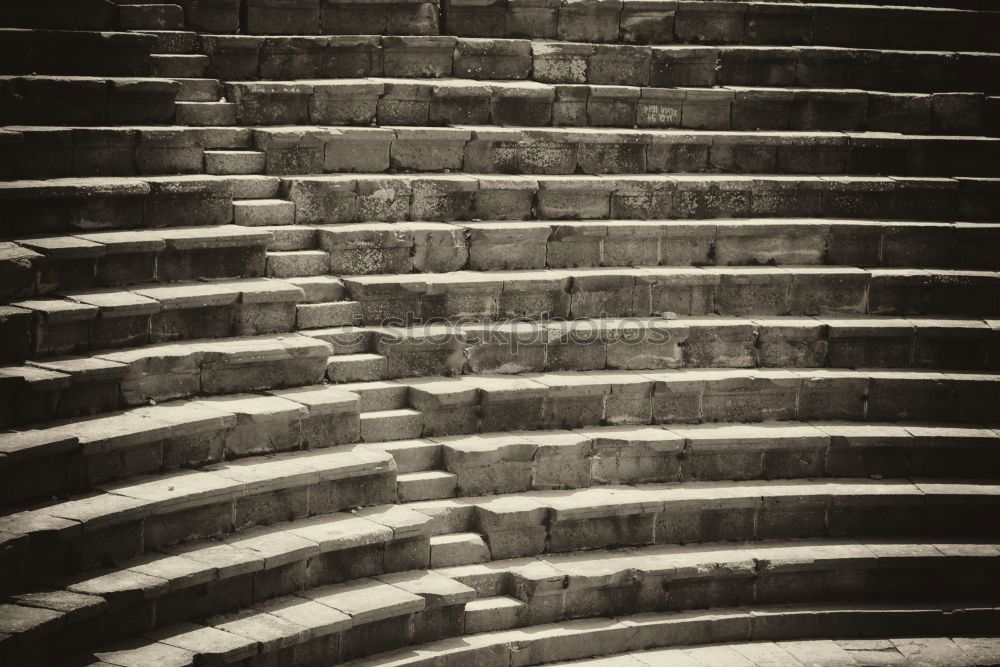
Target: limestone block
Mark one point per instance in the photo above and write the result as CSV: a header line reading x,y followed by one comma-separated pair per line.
x,y
538,19
404,102
589,20
504,198
344,102
419,56
560,62
292,150
233,57
368,248
612,105
459,102
648,22
283,17
270,103
683,66
283,58
437,247
619,65
477,18
574,197
323,199
526,104
384,199
492,59
351,56
712,23
443,198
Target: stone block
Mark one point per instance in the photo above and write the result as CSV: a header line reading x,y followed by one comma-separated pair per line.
x,y
536,19
459,103
589,20
358,150
419,56
521,104
345,102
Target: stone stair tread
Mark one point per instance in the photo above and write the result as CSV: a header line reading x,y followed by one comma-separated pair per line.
x,y
271,546
368,600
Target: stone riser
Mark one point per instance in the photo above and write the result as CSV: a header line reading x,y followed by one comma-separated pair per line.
x,y
241,59
574,640
118,522
436,608
117,446
341,199
32,207
43,154
97,101
541,461
73,264
167,312
75,53
514,246
952,650
132,378
737,22
61,264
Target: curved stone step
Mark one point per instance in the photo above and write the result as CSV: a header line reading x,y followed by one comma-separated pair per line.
x,y
126,151
75,454
427,247
62,205
736,105
126,519
889,651
554,588
76,52
97,100
761,635
666,22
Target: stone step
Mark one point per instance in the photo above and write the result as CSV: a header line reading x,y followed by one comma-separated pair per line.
x,y
42,265
434,407
407,600
40,100
379,396
430,197
499,612
324,315
397,424
182,65
161,312
462,549
567,151
411,17
297,263
39,152
76,52
227,163
319,289
151,17
361,367
175,41
583,638
371,248
263,212
427,485
891,651
204,114
56,458
55,15
81,204
63,387
649,291
735,105
568,62
199,90
124,520
693,22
